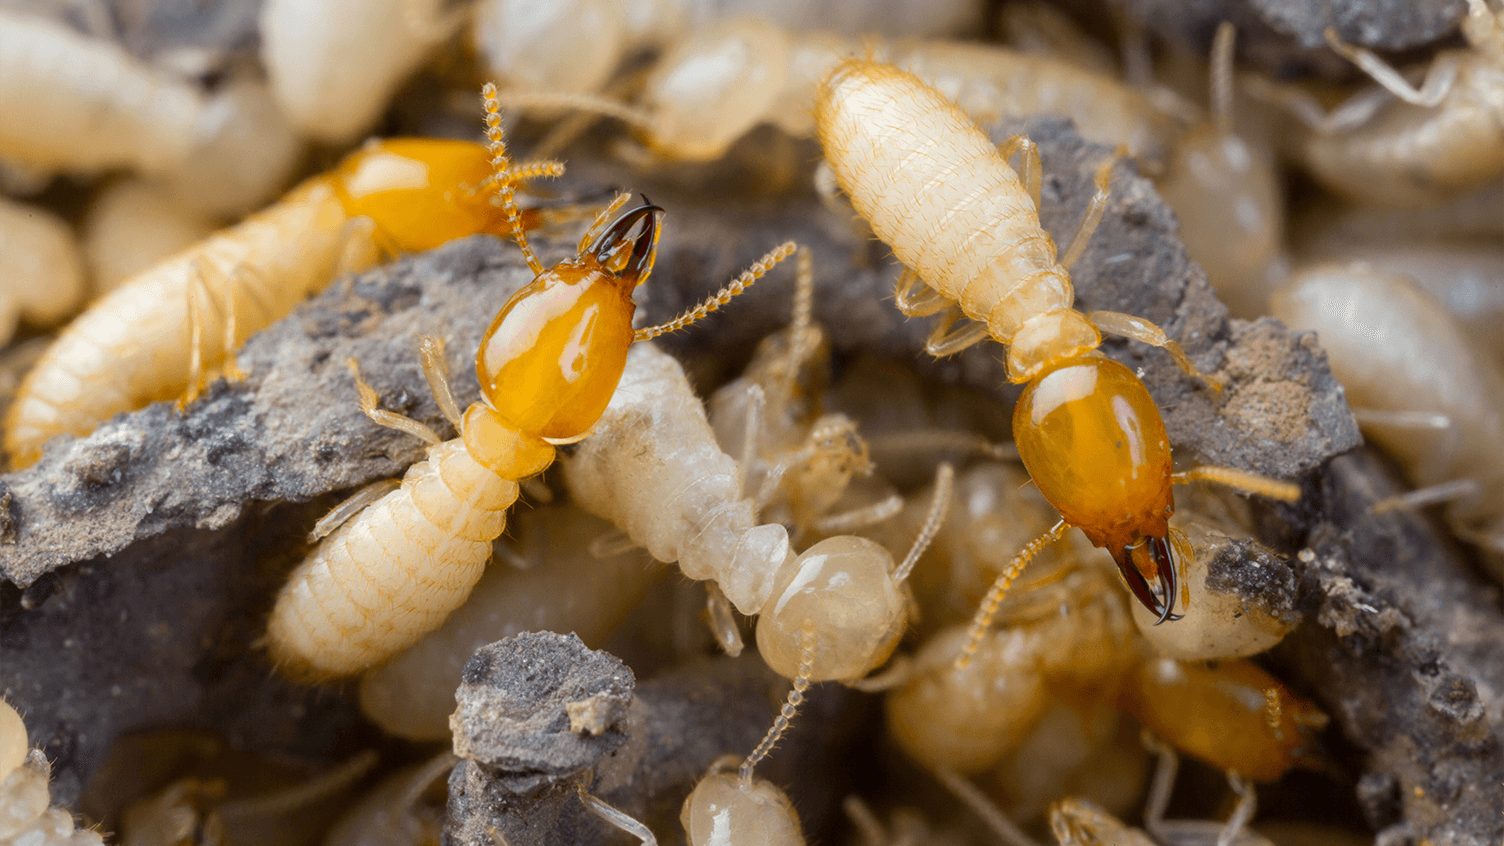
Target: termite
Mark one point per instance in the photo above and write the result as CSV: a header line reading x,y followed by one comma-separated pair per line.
x,y
1419,385
41,269
60,115
24,796
133,224
762,73
548,366
554,582
333,66
158,335
1400,145
939,193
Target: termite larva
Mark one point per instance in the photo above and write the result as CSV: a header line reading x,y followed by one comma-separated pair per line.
x,y
42,276
157,335
563,587
767,74
83,104
24,796
1419,144
1419,384
133,224
548,366
944,198
333,66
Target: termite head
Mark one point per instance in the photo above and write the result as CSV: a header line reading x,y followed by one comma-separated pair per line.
x,y
713,87
628,247
555,352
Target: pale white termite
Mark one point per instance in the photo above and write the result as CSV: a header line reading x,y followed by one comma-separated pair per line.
x,y
42,278
131,225
1420,144
158,335
77,103
1422,389
576,46
334,65
25,817
713,87
555,584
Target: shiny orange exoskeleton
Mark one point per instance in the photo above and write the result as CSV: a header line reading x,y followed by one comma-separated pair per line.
x,y
966,226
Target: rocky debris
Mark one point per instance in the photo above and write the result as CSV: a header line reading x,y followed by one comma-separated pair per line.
x,y
519,772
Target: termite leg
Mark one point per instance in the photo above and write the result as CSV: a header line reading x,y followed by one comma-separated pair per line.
x,y
1241,480
1429,495
1161,786
987,811
352,505
1402,419
916,299
864,820
1030,169
1435,87
198,292
370,406
1299,104
1094,210
611,543
1140,329
751,433
944,341
861,517
615,816
436,372
715,301
722,620
945,479
896,674
1242,813
999,591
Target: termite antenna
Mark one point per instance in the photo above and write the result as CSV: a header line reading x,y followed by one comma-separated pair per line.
x,y
1223,50
790,707
714,302
616,817
999,590
496,145
945,479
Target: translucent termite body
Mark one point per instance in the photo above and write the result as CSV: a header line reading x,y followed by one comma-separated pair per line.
x,y
133,224
547,366
157,335
713,87
1421,385
333,66
42,278
1398,145
76,103
966,227
25,817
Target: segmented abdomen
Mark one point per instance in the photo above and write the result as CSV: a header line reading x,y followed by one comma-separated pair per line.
x,y
934,188
131,348
395,571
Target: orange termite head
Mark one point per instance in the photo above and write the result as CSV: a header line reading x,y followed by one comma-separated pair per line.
x,y
555,352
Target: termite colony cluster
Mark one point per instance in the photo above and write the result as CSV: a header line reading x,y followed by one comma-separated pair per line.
x,y
970,608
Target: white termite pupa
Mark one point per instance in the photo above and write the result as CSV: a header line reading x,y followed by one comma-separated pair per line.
x,y
334,65
565,588
42,278
131,225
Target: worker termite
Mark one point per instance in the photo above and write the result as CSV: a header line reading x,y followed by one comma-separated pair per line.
x,y
333,66
1423,391
40,268
944,198
564,587
230,150
24,773
133,224
157,335
1400,145
766,74
548,367
1226,193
